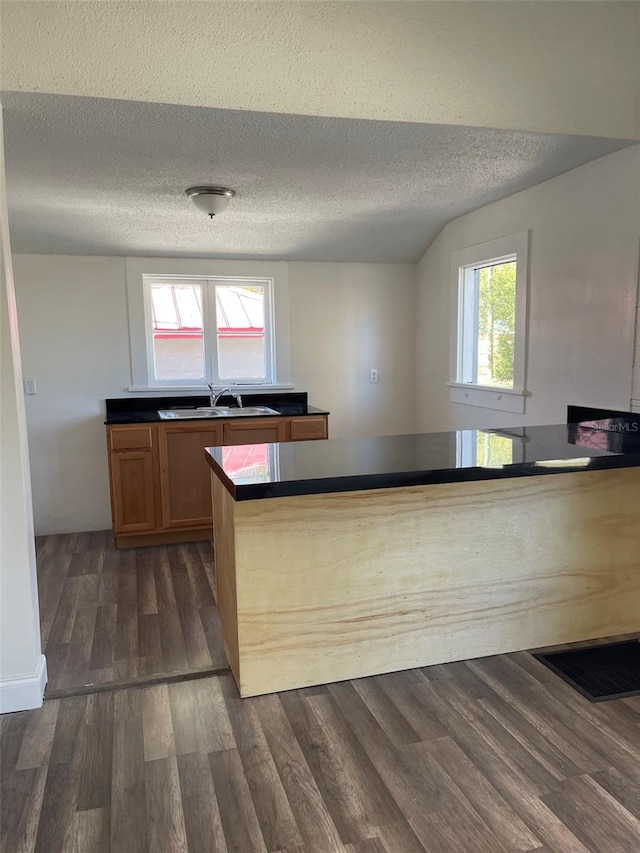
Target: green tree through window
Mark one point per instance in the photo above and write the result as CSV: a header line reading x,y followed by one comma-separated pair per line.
x,y
496,324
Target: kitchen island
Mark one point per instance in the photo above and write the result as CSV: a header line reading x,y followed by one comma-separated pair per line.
x,y
352,557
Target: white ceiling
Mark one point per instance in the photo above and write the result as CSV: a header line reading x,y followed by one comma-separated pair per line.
x,y
98,176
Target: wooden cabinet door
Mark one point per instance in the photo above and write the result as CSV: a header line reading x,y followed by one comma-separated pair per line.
x,y
185,483
255,431
133,492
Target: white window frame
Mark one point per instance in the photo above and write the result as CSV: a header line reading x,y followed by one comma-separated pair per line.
x,y
513,247
209,331
142,272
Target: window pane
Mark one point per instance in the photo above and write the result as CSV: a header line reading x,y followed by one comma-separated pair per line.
x,y
241,332
496,289
178,340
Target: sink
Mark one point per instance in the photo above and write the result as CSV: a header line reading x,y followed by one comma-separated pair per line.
x,y
185,414
235,412
214,412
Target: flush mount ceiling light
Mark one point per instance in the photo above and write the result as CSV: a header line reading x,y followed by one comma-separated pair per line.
x,y
211,200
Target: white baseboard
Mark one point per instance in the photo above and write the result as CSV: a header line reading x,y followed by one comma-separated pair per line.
x,y
25,692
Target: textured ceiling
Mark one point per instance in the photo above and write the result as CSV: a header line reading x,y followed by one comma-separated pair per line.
x,y
546,67
98,176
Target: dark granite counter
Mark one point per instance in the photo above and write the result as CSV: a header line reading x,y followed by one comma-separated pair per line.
x,y
340,465
137,410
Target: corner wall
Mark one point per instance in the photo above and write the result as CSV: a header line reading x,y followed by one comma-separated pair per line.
x,y
23,671
345,320
583,256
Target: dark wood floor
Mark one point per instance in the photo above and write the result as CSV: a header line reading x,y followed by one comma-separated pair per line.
x,y
493,756
109,615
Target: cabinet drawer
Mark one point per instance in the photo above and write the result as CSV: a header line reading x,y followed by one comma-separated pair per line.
x,y
255,431
307,429
131,438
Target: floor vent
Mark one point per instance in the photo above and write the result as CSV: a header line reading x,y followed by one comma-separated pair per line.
x,y
599,672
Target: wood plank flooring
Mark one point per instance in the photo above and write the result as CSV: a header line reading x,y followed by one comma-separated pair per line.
x,y
491,756
116,616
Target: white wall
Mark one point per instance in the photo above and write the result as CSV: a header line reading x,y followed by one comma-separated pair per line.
x,y
75,342
563,67
583,256
22,665
345,319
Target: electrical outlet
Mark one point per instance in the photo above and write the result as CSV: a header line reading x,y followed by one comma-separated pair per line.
x,y
30,386
373,376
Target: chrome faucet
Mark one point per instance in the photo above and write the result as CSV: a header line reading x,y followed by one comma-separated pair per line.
x,y
214,396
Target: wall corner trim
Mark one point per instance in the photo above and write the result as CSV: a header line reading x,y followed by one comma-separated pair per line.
x,y
25,692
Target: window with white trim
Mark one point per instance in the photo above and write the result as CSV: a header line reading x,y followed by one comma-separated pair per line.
x,y
194,321
215,330
490,324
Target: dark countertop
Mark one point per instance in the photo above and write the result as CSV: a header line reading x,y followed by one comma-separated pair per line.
x,y
339,465
141,410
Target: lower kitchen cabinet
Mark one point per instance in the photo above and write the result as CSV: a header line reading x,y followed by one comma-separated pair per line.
x,y
160,483
133,501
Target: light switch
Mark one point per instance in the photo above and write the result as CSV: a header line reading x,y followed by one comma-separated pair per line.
x,y
30,386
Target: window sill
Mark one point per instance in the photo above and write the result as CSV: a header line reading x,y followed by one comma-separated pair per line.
x,y
499,399
203,389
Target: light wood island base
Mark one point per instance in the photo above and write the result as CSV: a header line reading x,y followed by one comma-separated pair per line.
x,y
321,588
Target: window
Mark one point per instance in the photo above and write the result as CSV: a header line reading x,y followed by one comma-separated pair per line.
x,y
213,330
490,324
196,321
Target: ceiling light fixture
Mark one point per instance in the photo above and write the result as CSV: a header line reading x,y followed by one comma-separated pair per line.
x,y
211,200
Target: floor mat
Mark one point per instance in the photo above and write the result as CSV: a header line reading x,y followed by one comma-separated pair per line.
x,y
599,672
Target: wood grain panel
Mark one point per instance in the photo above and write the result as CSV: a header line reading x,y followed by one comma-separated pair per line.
x,y
308,429
130,438
339,586
133,491
185,486
225,569
254,431
163,537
